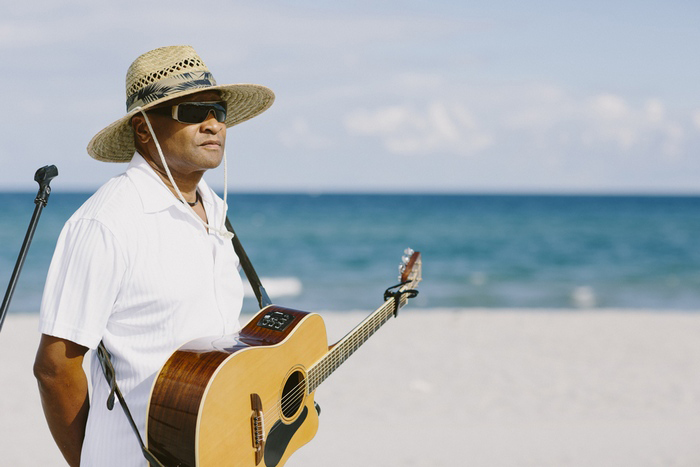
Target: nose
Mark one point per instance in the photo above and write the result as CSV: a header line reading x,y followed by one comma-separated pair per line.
x,y
211,124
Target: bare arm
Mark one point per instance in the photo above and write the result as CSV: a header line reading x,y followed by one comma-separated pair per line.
x,y
63,389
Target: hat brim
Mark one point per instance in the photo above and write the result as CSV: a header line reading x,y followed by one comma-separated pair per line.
x,y
115,143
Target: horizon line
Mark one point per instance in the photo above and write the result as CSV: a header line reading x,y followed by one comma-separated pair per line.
x,y
426,192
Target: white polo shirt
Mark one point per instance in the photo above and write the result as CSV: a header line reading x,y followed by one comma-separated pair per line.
x,y
134,269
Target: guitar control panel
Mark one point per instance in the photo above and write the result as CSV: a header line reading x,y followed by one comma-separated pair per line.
x,y
276,320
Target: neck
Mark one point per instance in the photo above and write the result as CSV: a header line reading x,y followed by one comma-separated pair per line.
x,y
187,183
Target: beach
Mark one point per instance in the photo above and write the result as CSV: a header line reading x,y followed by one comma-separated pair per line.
x,y
465,387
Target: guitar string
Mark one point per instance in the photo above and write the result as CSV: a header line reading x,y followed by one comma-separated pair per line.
x,y
330,364
364,332
321,372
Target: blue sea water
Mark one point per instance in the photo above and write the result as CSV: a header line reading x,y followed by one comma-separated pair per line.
x,y
339,252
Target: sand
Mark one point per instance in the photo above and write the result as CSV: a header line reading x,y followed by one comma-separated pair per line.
x,y
466,388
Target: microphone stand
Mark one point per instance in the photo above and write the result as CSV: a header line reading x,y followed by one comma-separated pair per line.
x,y
43,176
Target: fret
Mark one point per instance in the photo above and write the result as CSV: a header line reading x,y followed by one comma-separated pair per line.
x,y
351,343
344,348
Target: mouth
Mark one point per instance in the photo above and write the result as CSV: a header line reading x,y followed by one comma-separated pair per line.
x,y
211,144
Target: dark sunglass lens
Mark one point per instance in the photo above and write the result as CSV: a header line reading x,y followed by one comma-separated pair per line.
x,y
220,115
197,112
188,113
219,109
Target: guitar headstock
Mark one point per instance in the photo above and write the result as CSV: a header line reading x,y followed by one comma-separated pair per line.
x,y
410,269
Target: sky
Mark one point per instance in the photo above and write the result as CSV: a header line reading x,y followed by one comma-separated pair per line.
x,y
378,96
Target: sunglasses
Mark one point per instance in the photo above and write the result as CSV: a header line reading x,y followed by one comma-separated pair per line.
x,y
194,112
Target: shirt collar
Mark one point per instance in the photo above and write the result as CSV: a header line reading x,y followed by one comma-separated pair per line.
x,y
155,195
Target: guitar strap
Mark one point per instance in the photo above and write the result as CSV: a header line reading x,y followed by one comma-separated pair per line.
x,y
106,361
258,289
108,370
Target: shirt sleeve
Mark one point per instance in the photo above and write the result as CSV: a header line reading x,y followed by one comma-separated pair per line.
x,y
83,283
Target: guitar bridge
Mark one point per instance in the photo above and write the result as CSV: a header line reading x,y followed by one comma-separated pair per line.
x,y
257,423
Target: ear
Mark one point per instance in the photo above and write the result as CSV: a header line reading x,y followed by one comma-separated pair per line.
x,y
141,133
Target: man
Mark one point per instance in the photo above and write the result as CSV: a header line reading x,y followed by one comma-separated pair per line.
x,y
145,264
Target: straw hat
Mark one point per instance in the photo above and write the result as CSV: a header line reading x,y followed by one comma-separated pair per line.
x,y
167,73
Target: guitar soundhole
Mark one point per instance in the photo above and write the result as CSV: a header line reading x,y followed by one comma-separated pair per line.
x,y
293,394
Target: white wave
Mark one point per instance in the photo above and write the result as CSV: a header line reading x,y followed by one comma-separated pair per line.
x,y
276,287
584,297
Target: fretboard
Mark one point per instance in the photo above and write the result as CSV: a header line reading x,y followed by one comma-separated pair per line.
x,y
351,342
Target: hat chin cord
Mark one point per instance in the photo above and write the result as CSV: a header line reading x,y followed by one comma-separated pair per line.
x,y
222,230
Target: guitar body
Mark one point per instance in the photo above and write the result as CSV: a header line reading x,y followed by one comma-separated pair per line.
x,y
208,400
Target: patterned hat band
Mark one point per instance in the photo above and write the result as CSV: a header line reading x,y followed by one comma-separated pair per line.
x,y
169,86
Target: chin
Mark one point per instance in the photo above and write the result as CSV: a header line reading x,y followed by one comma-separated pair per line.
x,y
211,161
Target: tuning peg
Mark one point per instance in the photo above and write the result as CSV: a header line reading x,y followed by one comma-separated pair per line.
x,y
407,253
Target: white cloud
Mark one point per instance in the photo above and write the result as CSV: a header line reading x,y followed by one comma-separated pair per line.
x,y
609,107
404,129
611,119
655,111
546,122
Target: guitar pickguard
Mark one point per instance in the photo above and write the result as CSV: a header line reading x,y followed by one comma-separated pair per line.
x,y
279,437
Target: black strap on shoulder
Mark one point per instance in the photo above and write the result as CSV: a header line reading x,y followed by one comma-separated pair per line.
x,y
106,361
258,289
108,369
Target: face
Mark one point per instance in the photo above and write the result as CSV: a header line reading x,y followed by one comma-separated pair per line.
x,y
189,149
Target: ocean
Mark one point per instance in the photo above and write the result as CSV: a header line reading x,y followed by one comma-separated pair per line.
x,y
340,252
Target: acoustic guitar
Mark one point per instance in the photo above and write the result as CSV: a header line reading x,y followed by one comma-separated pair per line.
x,y
248,399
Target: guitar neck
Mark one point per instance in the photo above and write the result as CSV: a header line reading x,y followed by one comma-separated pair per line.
x,y
345,347
410,277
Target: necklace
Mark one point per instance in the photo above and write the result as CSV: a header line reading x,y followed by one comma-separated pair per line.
x,y
196,200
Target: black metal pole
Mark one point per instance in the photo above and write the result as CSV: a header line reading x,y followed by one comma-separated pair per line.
x,y
43,176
